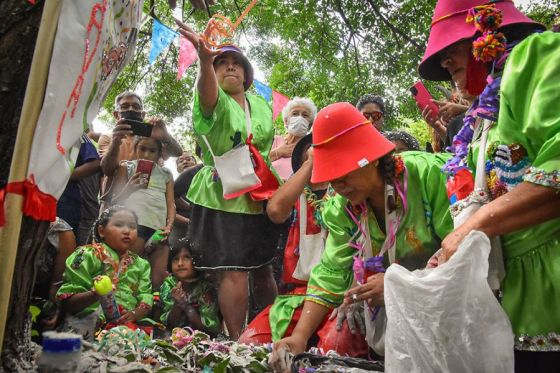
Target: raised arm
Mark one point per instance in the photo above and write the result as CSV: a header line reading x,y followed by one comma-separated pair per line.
x,y
207,84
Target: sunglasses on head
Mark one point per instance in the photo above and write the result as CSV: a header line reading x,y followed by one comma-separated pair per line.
x,y
374,116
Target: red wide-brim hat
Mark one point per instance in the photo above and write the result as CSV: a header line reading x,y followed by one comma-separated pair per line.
x,y
449,26
344,141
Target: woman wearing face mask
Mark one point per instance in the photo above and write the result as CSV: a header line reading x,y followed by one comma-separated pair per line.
x,y
298,117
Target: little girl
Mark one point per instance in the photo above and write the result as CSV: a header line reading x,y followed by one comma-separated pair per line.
x,y
153,201
187,298
115,231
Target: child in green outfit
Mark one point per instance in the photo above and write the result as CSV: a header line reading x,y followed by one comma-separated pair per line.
x,y
187,298
115,231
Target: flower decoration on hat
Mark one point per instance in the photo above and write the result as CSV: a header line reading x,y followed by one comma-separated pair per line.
x,y
492,44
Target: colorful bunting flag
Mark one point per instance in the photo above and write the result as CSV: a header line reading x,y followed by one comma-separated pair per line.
x,y
162,36
279,101
263,90
187,55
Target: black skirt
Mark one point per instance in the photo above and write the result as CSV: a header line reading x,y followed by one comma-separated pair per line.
x,y
226,241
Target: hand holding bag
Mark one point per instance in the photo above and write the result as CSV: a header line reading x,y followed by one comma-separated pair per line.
x,y
465,208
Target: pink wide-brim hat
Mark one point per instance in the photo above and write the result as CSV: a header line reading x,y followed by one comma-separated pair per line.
x,y
449,26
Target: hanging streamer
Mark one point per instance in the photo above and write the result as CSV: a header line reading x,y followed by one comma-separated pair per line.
x,y
187,56
263,90
279,101
219,30
162,37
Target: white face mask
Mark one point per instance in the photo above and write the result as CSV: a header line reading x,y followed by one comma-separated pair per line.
x,y
298,126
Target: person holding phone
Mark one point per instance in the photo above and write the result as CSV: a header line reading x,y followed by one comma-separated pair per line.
x,y
147,189
515,76
119,145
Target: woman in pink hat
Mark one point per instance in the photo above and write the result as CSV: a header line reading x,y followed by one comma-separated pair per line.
x,y
491,50
389,208
230,234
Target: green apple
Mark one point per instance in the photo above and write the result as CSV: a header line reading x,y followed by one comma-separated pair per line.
x,y
103,285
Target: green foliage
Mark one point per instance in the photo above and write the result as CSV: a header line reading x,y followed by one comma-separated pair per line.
x,y
328,50
417,128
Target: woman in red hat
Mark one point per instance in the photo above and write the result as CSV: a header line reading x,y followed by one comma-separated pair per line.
x,y
491,50
230,234
388,209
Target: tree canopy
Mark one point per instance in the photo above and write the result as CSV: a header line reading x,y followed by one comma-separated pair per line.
x,y
328,50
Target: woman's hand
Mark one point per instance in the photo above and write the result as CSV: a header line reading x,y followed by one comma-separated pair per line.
x,y
371,291
283,352
449,110
284,150
205,51
352,313
437,123
451,243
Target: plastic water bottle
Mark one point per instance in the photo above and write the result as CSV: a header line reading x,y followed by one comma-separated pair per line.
x,y
104,287
61,353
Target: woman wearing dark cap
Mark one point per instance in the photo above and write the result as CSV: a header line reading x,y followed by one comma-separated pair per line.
x,y
230,235
493,51
373,108
388,208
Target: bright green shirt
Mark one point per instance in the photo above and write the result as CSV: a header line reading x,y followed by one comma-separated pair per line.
x,y
524,145
425,224
133,285
224,130
525,142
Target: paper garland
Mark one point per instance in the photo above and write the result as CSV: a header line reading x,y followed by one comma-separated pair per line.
x,y
162,37
187,56
279,101
263,90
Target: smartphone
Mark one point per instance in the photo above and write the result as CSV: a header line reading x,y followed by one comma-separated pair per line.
x,y
138,126
423,98
144,167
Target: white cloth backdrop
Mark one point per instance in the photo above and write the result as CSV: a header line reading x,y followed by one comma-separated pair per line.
x,y
94,41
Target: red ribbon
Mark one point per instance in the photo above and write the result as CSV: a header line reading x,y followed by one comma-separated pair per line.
x,y
37,205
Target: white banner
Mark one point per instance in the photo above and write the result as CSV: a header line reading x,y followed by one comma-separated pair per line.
x,y
94,41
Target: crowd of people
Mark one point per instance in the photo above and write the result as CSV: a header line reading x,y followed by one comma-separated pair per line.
x,y
338,193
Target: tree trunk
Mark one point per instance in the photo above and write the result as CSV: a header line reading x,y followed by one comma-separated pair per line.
x,y
19,25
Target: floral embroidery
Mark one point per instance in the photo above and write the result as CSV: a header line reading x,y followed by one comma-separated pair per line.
x,y
505,168
413,241
541,177
78,259
541,342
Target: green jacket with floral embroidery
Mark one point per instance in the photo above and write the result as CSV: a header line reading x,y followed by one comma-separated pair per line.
x,y
131,276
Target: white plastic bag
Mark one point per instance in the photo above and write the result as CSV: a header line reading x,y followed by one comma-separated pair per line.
x,y
446,319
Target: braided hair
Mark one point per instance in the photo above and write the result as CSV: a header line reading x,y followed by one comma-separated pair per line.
x,y
387,170
104,218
